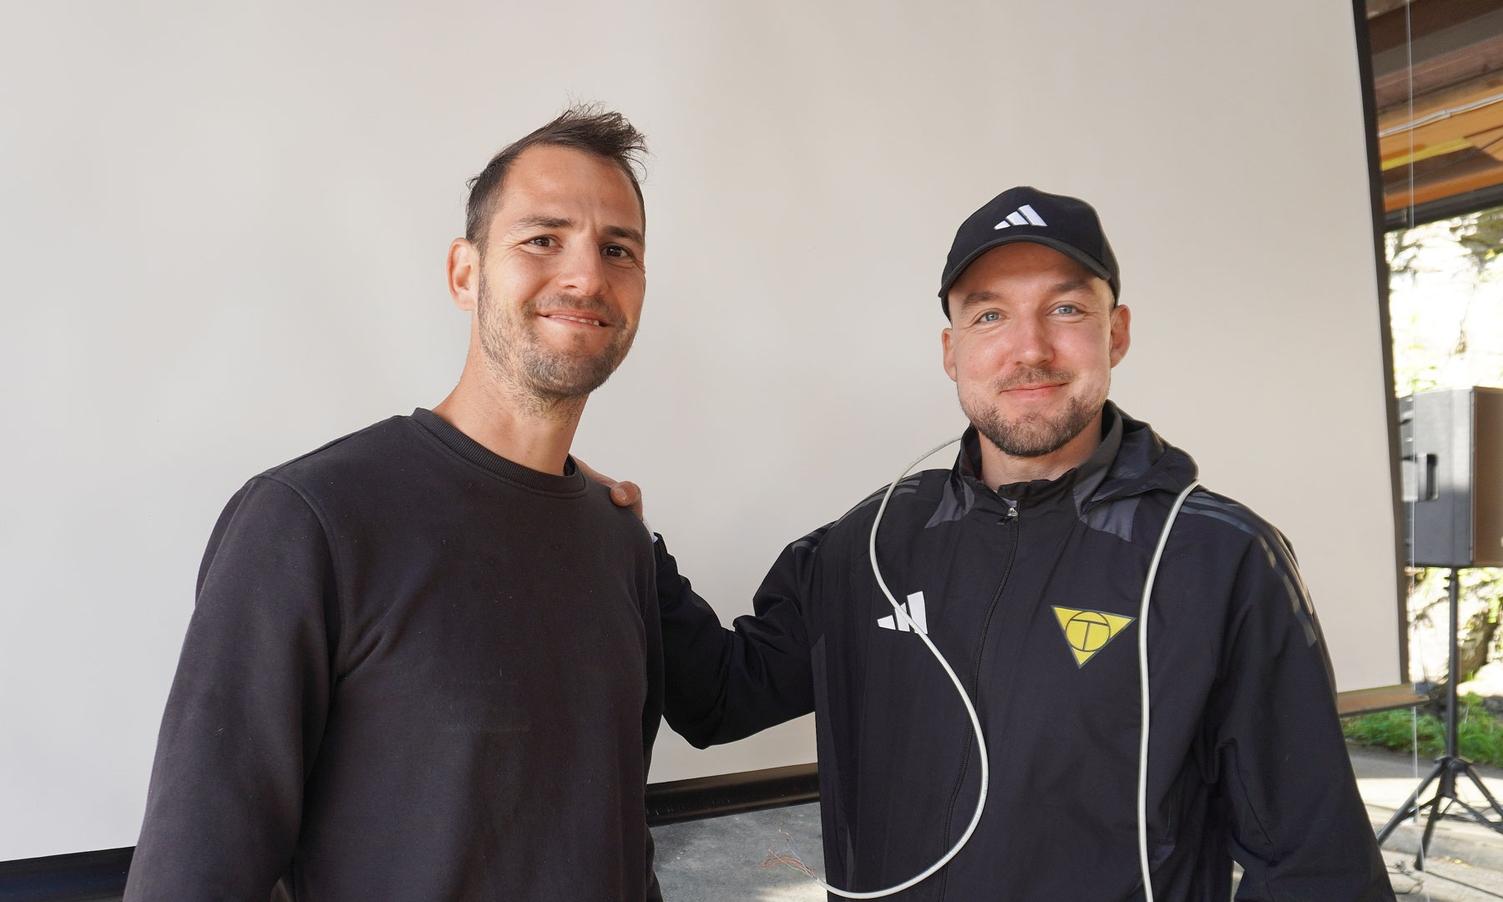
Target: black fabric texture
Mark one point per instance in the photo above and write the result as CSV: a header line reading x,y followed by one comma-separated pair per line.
x,y
414,671
1246,756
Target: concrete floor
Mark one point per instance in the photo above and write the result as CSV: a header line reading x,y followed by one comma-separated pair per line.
x,y
749,858
745,857
1465,863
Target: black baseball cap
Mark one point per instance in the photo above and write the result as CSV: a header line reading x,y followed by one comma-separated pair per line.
x,y
1067,224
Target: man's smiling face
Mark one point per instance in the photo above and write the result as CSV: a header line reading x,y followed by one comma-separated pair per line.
x,y
562,274
1033,339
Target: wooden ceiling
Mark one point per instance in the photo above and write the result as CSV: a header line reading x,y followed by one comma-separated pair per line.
x,y
1438,86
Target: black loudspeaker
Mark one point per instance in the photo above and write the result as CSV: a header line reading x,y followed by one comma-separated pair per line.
x,y
1452,466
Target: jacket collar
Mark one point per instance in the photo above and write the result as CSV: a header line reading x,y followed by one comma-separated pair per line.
x,y
1131,460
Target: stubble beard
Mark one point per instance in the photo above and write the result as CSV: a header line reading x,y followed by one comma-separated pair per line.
x,y
545,379
1034,434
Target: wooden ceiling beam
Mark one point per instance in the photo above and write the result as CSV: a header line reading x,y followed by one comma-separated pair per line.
x,y
1445,132
1443,188
1475,73
1453,95
1490,143
1447,54
1477,172
1390,30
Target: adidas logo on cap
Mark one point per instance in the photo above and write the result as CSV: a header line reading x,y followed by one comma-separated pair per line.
x,y
1024,215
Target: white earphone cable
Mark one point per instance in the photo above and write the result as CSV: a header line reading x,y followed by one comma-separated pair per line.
x,y
901,617
1153,572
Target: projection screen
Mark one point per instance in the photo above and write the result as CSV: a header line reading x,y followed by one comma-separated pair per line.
x,y
223,230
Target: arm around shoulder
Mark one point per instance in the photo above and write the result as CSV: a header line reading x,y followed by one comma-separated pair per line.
x,y
722,685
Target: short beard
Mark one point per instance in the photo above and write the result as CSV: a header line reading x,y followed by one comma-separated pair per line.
x,y
516,356
1034,435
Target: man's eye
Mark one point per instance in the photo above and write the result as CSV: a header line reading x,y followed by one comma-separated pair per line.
x,y
989,316
1067,309
616,250
541,241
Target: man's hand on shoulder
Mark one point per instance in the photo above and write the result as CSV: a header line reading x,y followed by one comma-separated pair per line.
x,y
624,493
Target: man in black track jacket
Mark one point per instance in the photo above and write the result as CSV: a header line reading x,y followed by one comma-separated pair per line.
x,y
1025,564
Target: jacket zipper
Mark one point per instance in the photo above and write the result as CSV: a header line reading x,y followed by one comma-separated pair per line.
x,y
965,760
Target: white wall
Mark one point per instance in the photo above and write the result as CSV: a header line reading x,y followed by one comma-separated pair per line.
x,y
222,230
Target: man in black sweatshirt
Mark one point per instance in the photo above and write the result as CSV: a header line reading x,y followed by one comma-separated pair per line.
x,y
1027,565
424,660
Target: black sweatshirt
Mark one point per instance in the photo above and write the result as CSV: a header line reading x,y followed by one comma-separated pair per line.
x,y
415,671
1032,592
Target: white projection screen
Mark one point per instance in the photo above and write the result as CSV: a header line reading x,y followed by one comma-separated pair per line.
x,y
222,235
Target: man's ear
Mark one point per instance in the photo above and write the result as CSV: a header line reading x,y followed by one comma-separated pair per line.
x,y
1121,333
464,274
947,342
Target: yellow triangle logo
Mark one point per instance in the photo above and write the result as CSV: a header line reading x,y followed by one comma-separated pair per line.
x,y
1087,632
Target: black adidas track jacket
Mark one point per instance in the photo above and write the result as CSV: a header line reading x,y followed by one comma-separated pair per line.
x,y
1032,593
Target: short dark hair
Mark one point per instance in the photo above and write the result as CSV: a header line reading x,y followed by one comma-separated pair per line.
x,y
586,127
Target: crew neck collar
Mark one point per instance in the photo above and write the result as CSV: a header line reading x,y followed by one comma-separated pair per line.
x,y
571,483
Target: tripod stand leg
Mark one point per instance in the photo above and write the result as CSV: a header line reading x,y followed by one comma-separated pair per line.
x,y
1477,815
1430,822
1409,808
1476,779
1450,762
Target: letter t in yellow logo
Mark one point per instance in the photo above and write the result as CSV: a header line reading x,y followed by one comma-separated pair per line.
x,y
1087,632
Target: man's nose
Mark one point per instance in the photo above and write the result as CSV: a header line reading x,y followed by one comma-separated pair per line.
x,y
583,270
1032,345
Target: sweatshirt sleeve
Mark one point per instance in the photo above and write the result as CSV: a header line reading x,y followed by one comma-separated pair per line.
x,y
652,709
1299,828
722,685
247,706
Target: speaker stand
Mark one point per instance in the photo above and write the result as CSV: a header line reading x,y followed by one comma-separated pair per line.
x,y
1449,766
